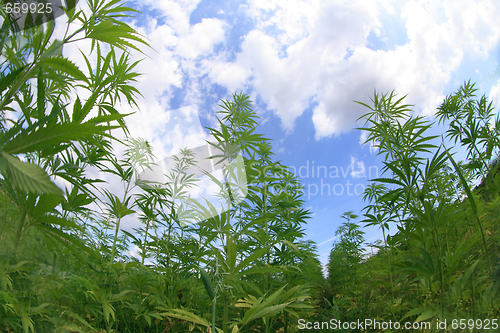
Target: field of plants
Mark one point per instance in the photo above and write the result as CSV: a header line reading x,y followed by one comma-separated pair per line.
x,y
64,258
443,261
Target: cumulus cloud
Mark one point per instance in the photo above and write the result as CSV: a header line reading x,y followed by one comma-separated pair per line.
x,y
284,83
320,51
312,55
299,55
201,39
230,75
310,38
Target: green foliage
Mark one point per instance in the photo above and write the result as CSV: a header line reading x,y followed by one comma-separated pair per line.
x,y
64,263
346,254
440,262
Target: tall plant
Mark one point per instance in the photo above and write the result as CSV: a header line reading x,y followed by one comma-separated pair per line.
x,y
56,134
46,127
420,194
253,235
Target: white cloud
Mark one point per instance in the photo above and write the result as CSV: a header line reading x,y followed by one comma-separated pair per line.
x,y
358,169
170,64
494,96
287,76
160,67
300,54
285,84
290,19
170,130
297,52
201,39
176,13
230,75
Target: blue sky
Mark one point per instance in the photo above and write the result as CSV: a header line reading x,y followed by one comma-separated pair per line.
x,y
304,63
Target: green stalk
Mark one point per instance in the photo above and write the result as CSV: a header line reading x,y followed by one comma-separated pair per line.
x,y
225,315
169,240
213,315
13,90
210,292
20,229
440,258
144,244
114,240
473,296
118,224
389,260
473,206
264,200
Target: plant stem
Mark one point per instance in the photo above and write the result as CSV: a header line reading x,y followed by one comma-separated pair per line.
x,y
225,315
114,240
20,229
213,315
144,244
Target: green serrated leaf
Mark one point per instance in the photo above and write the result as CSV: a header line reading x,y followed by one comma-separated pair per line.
x,y
50,136
63,65
6,80
28,176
